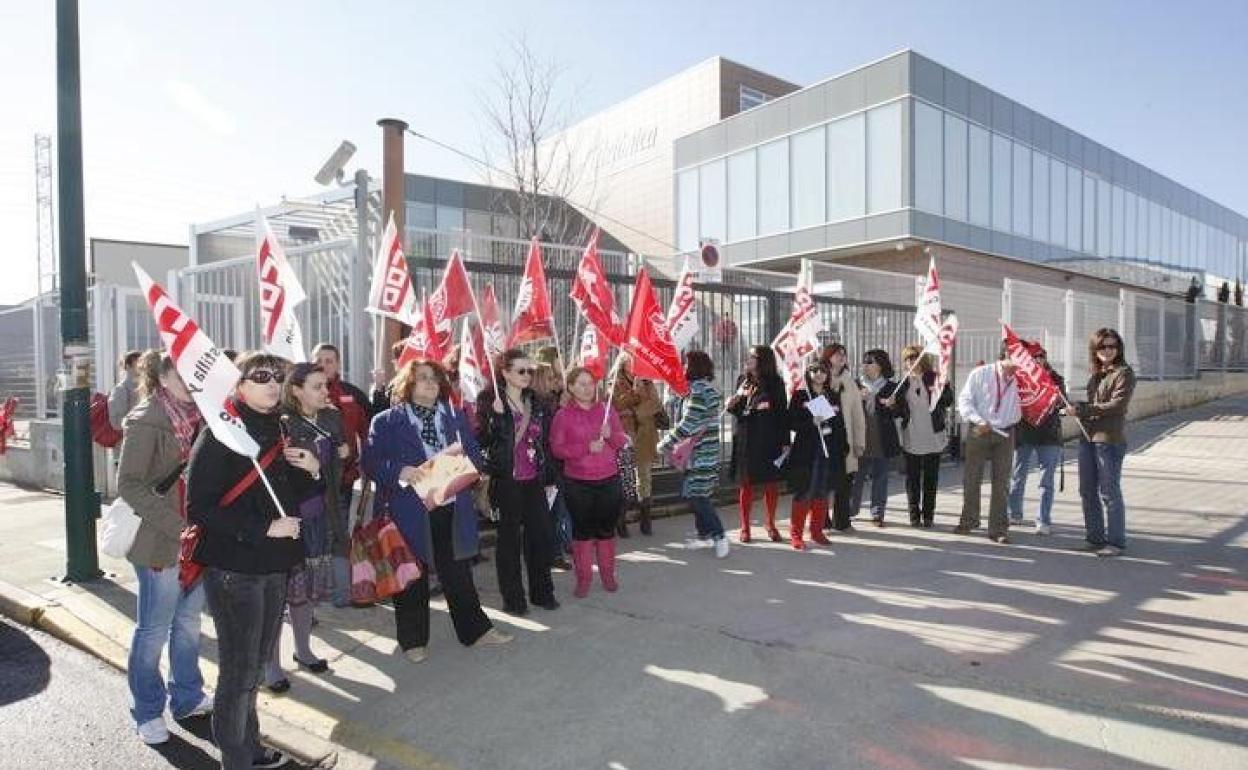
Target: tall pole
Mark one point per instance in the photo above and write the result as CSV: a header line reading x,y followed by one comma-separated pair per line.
x,y
392,204
357,363
82,504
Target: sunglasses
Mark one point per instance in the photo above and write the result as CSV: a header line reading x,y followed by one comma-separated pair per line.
x,y
264,376
1108,346
523,372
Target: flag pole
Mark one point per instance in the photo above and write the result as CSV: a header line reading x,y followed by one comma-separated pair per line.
x,y
264,477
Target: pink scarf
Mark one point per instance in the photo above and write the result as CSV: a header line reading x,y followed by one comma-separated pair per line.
x,y
186,419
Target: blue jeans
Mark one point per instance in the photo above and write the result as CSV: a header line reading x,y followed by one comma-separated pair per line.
x,y
706,518
1048,456
166,615
1100,487
877,468
563,525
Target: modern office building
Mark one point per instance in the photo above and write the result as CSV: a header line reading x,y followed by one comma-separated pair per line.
x,y
873,165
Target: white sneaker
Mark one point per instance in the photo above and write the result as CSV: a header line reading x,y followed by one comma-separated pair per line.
x,y
154,731
1109,552
416,654
202,710
1043,529
494,636
699,543
721,547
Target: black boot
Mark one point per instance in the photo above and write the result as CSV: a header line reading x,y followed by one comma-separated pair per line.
x,y
621,524
643,520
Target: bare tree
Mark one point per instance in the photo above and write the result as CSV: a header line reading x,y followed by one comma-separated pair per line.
x,y
525,113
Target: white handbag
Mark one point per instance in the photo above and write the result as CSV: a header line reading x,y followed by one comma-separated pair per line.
x,y
118,528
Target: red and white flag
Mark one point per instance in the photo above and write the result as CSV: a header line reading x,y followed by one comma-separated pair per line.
x,y
474,364
391,293
927,316
593,355
280,292
800,336
655,356
452,299
682,316
210,377
593,296
944,361
491,323
1037,393
533,318
422,342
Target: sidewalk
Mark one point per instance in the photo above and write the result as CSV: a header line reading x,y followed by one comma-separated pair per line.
x,y
895,648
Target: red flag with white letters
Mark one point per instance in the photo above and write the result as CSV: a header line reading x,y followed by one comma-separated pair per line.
x,y
533,318
491,323
1038,395
655,356
452,298
474,365
391,293
280,293
593,355
422,342
593,296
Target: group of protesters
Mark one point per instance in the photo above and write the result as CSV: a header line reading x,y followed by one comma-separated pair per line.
x,y
563,457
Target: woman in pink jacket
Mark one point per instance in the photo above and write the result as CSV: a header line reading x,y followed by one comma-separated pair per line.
x,y
586,435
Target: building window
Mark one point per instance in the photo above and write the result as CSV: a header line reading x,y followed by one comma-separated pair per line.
x,y
450,218
1117,245
713,198
1001,157
687,209
847,168
773,187
1057,202
1074,209
1154,231
1104,217
742,197
807,177
1039,197
955,168
1022,191
749,98
1131,231
420,215
884,158
1089,214
929,144
980,151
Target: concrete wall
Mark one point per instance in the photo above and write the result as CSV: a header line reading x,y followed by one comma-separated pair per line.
x,y
40,464
110,260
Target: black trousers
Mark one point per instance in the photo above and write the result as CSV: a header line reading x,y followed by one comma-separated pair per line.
x,y
247,612
842,509
411,607
524,526
922,476
594,507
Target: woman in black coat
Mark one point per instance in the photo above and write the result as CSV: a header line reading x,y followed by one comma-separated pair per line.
x,y
514,433
760,436
816,466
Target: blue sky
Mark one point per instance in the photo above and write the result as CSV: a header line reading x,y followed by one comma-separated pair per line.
x,y
194,111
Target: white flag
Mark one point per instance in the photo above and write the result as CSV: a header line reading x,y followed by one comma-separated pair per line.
x,y
474,366
209,376
391,293
800,336
948,334
682,316
280,293
927,317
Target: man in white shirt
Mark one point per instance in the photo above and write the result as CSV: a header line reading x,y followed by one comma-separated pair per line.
x,y
990,407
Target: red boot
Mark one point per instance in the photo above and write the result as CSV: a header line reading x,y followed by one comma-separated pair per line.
x,y
606,563
583,566
797,523
818,518
745,502
771,499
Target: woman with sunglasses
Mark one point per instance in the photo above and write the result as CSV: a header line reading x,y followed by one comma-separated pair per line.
x,y
247,548
423,423
308,422
1104,416
514,430
817,463
923,437
841,381
586,435
882,443
760,437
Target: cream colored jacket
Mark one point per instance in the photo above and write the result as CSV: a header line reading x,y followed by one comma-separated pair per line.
x,y
855,418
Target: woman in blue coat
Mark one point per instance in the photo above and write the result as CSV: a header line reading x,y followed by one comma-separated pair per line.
x,y
421,424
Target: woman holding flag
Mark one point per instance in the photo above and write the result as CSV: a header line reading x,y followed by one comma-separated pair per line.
x,y
586,435
816,465
882,443
760,437
248,545
840,382
923,414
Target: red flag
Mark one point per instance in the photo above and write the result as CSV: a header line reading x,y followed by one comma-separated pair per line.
x,y
474,365
1037,393
391,293
491,323
945,337
594,352
682,316
593,296
800,336
533,319
927,316
452,298
280,292
654,354
422,343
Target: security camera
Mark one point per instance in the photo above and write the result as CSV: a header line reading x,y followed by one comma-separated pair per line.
x,y
333,168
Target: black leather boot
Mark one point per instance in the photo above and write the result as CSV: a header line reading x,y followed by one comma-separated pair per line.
x,y
621,524
643,520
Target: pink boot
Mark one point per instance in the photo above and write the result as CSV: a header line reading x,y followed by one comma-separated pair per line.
x,y
582,566
606,563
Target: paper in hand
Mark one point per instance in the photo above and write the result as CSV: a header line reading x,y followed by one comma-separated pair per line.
x,y
783,458
551,493
821,408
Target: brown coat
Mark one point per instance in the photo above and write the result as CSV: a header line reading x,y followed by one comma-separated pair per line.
x,y
1109,396
855,418
149,456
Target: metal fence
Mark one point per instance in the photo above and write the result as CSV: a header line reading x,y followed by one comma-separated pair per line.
x,y
1222,335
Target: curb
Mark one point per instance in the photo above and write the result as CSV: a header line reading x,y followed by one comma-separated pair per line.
x,y
34,611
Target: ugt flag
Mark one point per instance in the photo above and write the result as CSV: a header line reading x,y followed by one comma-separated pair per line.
x,y
452,299
593,296
474,365
1037,393
593,355
391,292
533,319
491,323
655,357
209,376
280,292
682,316
948,334
422,342
927,317
800,336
